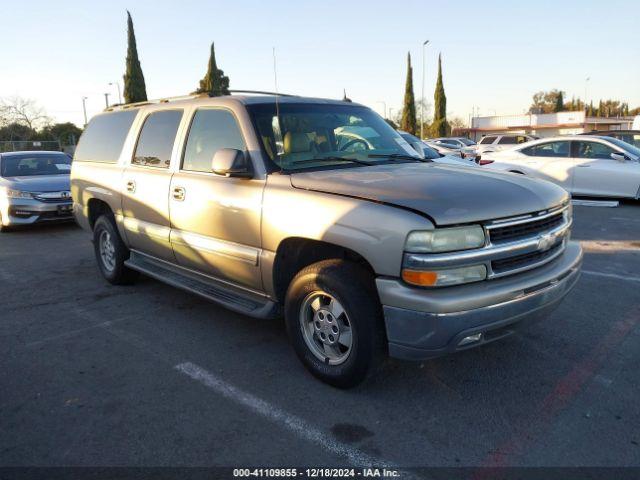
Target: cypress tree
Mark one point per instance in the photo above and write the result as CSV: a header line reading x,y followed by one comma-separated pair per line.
x,y
408,123
134,87
559,103
215,82
439,126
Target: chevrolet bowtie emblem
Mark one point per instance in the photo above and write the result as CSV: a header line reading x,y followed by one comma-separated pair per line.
x,y
546,241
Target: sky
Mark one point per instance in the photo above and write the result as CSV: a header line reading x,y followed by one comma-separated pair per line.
x,y
495,54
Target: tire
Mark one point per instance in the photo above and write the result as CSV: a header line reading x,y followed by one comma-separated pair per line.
x,y
111,252
311,311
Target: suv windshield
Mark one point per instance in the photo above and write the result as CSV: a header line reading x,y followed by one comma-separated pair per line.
x,y
35,164
313,135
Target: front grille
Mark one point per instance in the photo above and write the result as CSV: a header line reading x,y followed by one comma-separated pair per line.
x,y
514,263
524,230
53,197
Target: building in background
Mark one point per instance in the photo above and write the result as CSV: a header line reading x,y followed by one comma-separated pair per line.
x,y
544,124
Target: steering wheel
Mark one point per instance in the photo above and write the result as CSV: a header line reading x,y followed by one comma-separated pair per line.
x,y
353,142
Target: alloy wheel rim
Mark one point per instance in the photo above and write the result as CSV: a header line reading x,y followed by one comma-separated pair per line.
x,y
107,251
326,328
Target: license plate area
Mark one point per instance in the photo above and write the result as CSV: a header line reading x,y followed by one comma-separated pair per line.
x,y
65,210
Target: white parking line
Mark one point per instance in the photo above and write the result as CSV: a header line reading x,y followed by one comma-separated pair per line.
x,y
610,245
295,424
627,278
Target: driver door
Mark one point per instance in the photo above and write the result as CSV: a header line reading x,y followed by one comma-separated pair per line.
x,y
596,173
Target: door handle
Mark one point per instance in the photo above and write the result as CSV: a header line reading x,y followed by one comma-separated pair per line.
x,y
131,186
584,166
179,193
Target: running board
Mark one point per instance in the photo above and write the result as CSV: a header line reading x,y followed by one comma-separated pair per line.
x,y
230,297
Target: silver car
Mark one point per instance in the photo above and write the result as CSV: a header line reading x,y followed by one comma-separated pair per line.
x,y
319,211
34,188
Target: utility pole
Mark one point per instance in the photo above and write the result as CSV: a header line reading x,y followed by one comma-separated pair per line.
x,y
106,99
424,47
84,110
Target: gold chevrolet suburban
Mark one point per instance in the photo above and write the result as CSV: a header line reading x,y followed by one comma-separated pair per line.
x,y
319,211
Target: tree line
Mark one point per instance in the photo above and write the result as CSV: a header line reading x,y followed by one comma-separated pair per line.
x,y
553,101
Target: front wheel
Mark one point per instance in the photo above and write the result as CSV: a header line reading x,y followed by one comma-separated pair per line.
x,y
334,321
111,252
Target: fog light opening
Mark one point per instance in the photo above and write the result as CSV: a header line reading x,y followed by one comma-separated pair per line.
x,y
470,339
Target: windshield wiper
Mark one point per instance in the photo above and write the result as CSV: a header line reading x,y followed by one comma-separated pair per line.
x,y
398,156
334,159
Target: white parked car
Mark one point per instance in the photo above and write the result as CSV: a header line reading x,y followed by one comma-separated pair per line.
x,y
428,151
450,145
583,165
497,143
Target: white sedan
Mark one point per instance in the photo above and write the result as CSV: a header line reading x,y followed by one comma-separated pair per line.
x,y
583,165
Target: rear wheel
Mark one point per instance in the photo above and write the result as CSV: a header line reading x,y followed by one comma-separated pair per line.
x,y
334,321
111,252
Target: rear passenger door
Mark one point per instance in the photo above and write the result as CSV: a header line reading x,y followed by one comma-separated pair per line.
x,y
216,219
145,201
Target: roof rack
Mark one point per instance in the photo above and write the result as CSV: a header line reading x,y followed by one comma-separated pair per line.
x,y
125,106
260,92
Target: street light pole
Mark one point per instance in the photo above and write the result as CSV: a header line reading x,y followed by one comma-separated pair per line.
x,y
424,47
384,105
117,84
106,99
84,109
586,82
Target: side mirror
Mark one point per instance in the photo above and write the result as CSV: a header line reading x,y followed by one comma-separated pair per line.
x,y
231,163
620,157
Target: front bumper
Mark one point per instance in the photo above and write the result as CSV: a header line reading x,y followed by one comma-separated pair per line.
x,y
25,211
423,324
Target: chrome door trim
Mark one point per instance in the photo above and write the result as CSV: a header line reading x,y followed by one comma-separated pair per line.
x,y
216,246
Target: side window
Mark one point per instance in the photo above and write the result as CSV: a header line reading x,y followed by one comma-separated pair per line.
x,y
508,140
211,130
156,139
549,149
593,150
104,137
487,140
522,139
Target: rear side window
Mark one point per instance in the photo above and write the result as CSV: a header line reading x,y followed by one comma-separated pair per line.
x,y
104,137
507,141
486,140
211,130
549,149
156,140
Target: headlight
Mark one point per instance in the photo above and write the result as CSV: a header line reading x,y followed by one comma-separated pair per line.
x,y
445,239
18,194
445,276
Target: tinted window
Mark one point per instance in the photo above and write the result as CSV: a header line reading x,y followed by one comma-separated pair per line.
x,y
549,149
486,140
104,137
156,139
593,150
508,141
210,131
467,142
35,164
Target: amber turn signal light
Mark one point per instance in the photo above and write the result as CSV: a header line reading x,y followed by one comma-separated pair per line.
x,y
420,277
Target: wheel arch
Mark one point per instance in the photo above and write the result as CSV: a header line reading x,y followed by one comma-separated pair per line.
x,y
295,253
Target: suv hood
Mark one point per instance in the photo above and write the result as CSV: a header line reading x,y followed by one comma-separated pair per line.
x,y
39,183
447,194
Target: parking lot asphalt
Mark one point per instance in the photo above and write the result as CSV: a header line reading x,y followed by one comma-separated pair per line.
x,y
148,375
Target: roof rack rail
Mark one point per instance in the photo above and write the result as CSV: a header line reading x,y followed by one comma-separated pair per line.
x,y
124,106
260,92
